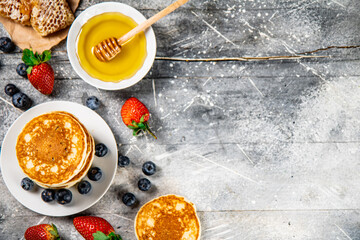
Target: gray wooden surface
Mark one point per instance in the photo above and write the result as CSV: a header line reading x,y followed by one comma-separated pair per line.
x,y
266,149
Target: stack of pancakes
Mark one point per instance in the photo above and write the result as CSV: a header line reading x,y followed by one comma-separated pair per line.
x,y
167,217
55,150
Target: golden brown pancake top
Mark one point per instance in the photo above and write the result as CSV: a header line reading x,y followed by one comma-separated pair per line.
x,y
86,165
167,217
51,148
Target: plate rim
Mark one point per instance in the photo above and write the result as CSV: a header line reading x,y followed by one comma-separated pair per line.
x,y
19,118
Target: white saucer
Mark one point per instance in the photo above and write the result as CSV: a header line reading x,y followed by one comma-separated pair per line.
x,y
98,9
13,174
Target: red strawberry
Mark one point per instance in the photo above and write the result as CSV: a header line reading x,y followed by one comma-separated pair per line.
x,y
42,232
135,116
95,228
40,74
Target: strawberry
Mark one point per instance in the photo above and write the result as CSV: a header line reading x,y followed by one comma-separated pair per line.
x,y
135,116
95,228
40,73
42,232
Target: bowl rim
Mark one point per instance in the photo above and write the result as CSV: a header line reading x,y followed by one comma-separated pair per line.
x,y
93,11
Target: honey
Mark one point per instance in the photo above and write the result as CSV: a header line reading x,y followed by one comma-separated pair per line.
x,y
126,63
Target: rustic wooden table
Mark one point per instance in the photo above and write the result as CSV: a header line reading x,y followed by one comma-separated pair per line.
x,y
267,147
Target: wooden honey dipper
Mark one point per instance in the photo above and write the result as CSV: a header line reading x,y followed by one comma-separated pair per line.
x,y
109,48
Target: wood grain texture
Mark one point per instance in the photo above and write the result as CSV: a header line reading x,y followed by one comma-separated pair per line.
x,y
266,149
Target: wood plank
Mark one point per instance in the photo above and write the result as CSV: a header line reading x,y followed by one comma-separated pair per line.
x,y
224,225
212,28
266,149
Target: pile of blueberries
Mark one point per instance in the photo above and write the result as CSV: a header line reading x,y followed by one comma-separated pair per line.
x,y
20,100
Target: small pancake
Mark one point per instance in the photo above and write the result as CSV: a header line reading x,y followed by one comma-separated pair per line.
x,y
87,164
52,148
167,217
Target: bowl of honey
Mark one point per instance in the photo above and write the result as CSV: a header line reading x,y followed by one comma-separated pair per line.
x,y
99,22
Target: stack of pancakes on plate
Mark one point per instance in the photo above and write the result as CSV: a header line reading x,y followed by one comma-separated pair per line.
x,y
167,217
55,150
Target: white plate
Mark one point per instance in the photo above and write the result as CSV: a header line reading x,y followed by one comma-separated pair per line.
x,y
94,11
13,174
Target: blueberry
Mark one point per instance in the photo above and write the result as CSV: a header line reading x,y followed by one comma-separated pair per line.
x,y
21,70
100,150
94,174
93,103
144,184
129,199
48,195
84,187
27,184
149,168
11,89
123,161
63,196
6,45
21,100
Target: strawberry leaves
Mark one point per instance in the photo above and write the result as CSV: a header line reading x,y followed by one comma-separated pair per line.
x,y
141,126
32,59
45,56
54,232
102,236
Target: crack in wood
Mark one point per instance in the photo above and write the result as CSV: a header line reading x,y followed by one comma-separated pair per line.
x,y
302,55
328,48
243,59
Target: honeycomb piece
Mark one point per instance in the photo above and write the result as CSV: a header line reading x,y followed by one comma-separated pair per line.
x,y
49,16
17,10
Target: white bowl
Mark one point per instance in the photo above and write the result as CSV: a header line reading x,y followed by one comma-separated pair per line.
x,y
97,10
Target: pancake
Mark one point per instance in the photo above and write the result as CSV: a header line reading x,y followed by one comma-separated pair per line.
x,y
86,164
52,148
167,217
77,178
